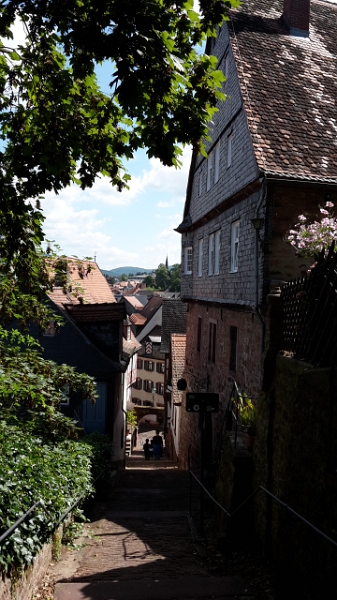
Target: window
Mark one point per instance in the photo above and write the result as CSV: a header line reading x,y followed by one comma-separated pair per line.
x,y
200,255
217,161
217,252
200,182
160,388
138,384
210,254
65,395
148,365
211,341
226,65
139,363
188,260
209,171
199,334
233,337
148,385
229,150
50,330
160,368
234,246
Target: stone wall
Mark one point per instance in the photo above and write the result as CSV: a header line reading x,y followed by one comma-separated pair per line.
x,y
295,458
24,587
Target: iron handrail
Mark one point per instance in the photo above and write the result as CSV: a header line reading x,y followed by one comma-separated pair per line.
x,y
15,525
275,498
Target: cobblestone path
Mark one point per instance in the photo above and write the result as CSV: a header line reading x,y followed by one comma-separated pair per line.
x,y
138,545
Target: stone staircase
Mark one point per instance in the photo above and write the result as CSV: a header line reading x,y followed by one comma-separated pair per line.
x,y
138,545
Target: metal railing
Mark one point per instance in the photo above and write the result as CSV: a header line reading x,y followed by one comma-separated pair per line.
x,y
17,523
267,493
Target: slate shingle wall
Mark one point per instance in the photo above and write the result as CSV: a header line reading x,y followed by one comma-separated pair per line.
x,y
227,286
231,118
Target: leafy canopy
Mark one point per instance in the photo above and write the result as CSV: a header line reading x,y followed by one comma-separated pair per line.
x,y
58,126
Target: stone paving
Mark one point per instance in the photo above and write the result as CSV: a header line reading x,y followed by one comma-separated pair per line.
x,y
138,544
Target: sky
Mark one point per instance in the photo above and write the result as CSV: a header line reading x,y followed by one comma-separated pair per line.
x,y
134,227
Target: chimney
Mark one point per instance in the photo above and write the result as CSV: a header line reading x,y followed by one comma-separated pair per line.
x,y
296,14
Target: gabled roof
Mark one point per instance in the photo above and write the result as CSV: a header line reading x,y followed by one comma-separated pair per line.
x,y
137,319
289,87
174,321
92,286
87,313
152,306
178,352
134,302
130,346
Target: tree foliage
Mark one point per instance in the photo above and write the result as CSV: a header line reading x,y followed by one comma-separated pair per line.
x,y
58,126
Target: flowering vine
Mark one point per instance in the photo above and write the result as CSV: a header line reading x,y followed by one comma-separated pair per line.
x,y
309,238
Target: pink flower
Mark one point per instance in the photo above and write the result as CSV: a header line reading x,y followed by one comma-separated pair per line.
x,y
302,218
323,211
329,204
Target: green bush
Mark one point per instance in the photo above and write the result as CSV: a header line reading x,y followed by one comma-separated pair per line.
x,y
30,470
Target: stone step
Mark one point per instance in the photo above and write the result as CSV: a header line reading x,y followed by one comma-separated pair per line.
x,y
192,587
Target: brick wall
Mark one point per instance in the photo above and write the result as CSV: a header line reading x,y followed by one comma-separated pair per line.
x,y
205,375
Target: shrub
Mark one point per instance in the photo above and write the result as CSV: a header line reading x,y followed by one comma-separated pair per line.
x,y
32,470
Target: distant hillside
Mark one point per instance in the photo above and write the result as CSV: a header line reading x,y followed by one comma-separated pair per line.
x,y
127,270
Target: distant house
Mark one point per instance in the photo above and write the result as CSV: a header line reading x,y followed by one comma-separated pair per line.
x,y
174,325
148,389
93,341
272,156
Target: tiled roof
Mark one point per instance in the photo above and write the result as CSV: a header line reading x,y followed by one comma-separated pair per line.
x,y
133,300
130,346
178,351
174,321
137,319
84,313
289,86
92,287
152,306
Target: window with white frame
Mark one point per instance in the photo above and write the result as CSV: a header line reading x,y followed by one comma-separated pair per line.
x,y
188,260
211,254
200,182
200,256
209,171
235,230
217,252
217,161
229,149
226,66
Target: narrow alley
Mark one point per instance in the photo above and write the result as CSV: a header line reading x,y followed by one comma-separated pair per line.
x,y
139,546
